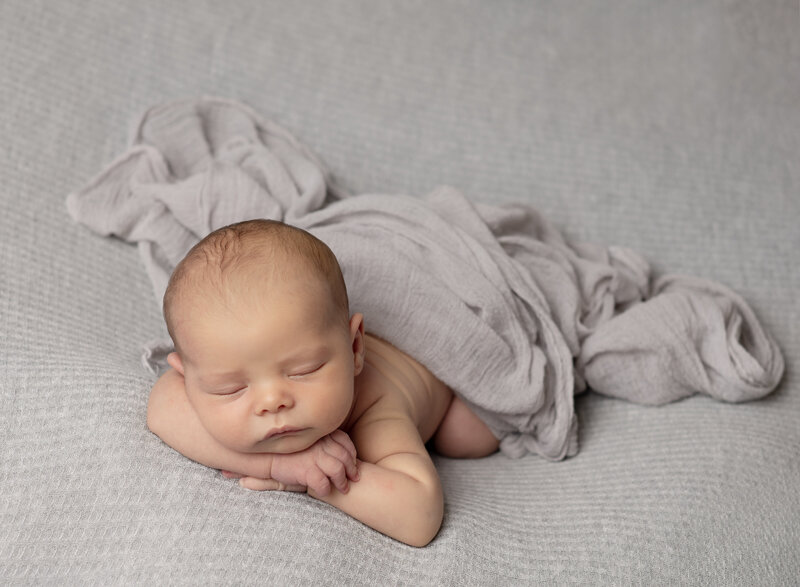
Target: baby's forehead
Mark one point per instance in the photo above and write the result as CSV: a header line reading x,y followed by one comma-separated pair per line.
x,y
212,281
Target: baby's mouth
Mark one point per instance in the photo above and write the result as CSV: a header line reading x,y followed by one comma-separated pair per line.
x,y
283,431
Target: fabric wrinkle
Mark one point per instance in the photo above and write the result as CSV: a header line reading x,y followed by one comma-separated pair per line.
x,y
493,300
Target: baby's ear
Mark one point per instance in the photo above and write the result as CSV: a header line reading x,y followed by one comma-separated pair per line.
x,y
357,336
175,362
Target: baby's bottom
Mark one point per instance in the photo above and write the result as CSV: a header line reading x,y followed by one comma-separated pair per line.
x,y
462,435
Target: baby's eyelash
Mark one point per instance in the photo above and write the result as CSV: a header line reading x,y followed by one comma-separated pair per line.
x,y
231,392
308,371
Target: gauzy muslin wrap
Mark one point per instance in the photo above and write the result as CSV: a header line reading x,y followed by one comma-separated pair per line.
x,y
492,299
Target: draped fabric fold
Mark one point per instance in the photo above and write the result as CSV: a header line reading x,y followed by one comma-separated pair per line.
x,y
492,299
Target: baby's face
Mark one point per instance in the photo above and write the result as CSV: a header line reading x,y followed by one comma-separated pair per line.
x,y
271,376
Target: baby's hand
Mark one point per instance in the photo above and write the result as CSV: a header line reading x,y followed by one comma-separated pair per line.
x,y
258,484
332,459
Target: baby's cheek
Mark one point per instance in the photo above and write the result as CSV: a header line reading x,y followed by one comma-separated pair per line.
x,y
341,405
224,426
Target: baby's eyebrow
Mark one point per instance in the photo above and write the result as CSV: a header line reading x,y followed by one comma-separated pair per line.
x,y
218,376
308,354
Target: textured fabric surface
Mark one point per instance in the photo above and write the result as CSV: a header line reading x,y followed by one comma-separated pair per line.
x,y
670,128
492,299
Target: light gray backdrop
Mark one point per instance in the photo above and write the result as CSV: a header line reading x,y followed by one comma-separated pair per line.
x,y
669,127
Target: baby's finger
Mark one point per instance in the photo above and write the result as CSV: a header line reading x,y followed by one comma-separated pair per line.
x,y
318,483
341,437
230,474
256,484
294,488
343,456
334,469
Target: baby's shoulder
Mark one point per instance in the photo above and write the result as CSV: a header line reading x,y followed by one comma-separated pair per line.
x,y
393,386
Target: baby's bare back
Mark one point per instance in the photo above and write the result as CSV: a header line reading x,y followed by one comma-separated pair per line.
x,y
456,431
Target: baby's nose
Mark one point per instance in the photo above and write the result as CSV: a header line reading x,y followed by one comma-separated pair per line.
x,y
271,399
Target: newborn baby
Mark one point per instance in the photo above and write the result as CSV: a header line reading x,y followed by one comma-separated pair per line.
x,y
274,382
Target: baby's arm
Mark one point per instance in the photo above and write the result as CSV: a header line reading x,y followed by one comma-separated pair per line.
x,y
399,492
171,417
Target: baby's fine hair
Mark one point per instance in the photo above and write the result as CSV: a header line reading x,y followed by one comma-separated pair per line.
x,y
244,246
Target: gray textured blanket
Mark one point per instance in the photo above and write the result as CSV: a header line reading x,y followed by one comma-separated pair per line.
x,y
493,300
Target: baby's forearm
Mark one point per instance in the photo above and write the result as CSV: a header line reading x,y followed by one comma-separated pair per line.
x,y
400,497
171,417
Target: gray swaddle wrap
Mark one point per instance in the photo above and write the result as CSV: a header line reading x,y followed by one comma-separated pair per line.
x,y
492,299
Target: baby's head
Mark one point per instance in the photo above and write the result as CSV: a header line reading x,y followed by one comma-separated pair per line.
x,y
259,316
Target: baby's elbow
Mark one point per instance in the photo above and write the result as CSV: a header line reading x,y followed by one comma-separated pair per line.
x,y
153,416
156,408
165,402
429,519
424,536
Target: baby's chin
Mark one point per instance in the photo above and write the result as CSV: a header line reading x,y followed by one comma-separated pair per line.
x,y
286,444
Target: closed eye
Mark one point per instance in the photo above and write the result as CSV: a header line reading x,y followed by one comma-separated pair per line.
x,y
230,391
305,372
